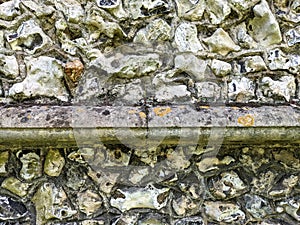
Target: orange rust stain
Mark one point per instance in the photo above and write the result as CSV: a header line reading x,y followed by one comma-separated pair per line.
x,y
142,115
159,111
247,120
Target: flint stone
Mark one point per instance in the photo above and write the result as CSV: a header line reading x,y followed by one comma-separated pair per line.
x,y
241,89
224,212
51,203
186,39
44,78
220,42
284,88
9,66
54,163
264,28
218,10
220,68
190,10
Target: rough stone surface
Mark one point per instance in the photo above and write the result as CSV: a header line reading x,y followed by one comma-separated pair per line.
x,y
44,79
220,42
264,28
149,112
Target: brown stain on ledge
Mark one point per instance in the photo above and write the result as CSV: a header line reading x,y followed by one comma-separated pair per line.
x,y
247,120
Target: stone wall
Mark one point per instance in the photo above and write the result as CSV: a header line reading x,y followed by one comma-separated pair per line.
x,y
190,64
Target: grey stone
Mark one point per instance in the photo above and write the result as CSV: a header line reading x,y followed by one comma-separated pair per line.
x,y
29,37
89,202
242,37
173,94
264,28
51,202
193,66
285,187
190,220
190,10
11,209
217,10
241,89
44,78
227,185
220,68
16,186
31,165
9,66
291,206
54,163
186,38
271,90
293,36
220,42
224,212
278,60
184,206
150,7
71,9
208,91
9,9
252,64
213,163
257,206
157,31
140,198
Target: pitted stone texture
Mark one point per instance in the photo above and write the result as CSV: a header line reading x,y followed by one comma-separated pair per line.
x,y
257,206
44,78
241,36
227,185
11,209
293,36
278,60
140,9
71,9
89,202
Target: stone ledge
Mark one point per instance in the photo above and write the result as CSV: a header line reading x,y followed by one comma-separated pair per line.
x,y
77,125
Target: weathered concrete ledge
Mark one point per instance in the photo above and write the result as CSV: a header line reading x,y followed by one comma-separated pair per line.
x,y
29,126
